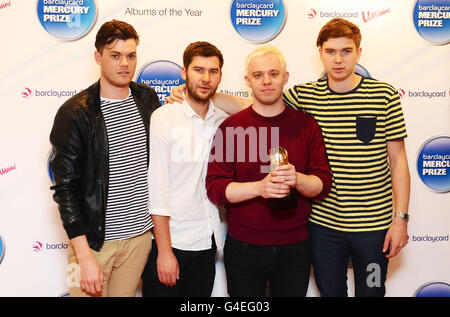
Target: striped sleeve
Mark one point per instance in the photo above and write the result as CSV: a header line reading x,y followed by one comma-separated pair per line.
x,y
395,122
290,98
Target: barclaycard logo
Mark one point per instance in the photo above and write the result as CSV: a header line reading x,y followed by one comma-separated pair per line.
x,y
432,20
67,19
39,246
430,238
162,76
316,13
433,289
422,94
312,14
433,164
26,92
2,248
258,21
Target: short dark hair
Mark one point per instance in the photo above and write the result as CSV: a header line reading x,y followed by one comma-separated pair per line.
x,y
201,49
112,31
339,27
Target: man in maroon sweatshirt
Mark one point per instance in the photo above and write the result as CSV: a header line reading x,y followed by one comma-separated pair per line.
x,y
265,245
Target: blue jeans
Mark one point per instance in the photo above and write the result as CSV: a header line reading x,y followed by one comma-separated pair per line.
x,y
250,267
331,252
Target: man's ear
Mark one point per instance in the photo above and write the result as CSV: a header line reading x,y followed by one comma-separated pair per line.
x,y
98,57
247,81
286,77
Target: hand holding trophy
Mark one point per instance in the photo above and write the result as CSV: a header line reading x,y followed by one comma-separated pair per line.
x,y
279,157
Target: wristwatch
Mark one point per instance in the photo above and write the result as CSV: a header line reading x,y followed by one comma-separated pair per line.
x,y
402,215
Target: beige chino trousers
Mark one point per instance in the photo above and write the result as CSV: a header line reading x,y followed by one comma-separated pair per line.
x,y
122,263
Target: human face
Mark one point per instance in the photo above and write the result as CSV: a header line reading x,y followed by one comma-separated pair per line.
x,y
266,77
339,57
117,63
202,77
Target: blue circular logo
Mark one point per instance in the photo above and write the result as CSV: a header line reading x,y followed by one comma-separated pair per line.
x,y
258,21
433,163
2,248
67,19
432,20
49,170
360,70
162,76
434,289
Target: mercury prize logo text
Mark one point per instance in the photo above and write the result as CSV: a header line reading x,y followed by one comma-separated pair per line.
x,y
67,19
258,21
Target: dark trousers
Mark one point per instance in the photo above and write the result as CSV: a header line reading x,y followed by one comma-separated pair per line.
x,y
197,273
250,268
331,252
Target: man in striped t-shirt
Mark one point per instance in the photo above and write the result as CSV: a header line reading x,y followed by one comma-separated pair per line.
x,y
100,143
363,129
365,215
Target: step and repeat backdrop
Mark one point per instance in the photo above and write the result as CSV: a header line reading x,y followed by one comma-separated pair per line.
x,y
47,56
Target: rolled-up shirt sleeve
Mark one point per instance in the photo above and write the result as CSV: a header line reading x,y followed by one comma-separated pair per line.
x,y
158,170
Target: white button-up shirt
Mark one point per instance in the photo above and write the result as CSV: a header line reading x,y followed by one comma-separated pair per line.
x,y
180,143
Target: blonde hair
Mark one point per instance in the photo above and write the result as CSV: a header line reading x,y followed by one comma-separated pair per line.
x,y
262,51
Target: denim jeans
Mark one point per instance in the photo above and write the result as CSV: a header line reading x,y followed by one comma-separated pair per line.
x,y
331,252
250,267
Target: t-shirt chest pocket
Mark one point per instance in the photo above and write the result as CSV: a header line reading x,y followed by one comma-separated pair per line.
x,y
366,126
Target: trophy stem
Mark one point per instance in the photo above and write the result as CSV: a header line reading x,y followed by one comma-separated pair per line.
x,y
285,203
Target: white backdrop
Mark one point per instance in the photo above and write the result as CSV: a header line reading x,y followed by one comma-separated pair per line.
x,y
38,72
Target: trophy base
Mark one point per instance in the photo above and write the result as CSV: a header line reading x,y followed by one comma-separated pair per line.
x,y
278,204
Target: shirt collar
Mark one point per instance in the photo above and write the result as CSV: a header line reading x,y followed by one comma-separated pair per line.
x,y
190,113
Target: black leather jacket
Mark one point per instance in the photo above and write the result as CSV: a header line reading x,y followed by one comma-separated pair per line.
x,y
80,164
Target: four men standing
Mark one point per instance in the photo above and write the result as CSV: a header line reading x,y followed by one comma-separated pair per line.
x,y
105,128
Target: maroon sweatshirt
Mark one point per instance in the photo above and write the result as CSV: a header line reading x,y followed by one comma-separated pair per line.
x,y
239,153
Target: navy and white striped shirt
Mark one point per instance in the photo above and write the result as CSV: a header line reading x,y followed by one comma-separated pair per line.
x,y
127,212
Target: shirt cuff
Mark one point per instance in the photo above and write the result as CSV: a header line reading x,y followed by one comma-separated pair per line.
x,y
160,212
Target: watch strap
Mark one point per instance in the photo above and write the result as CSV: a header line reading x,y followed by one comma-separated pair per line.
x,y
402,215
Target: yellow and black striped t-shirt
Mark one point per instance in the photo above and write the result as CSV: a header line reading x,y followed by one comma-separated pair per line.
x,y
356,126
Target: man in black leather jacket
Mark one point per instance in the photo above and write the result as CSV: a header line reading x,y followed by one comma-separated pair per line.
x,y
104,206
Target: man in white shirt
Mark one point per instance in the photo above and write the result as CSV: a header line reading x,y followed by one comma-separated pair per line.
x,y
186,224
